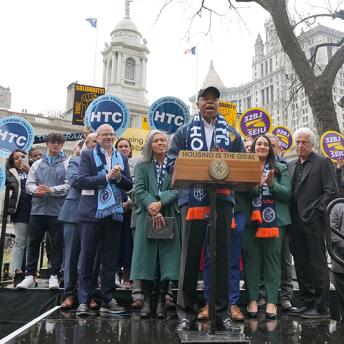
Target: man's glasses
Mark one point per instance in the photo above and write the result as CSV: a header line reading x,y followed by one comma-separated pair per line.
x,y
108,134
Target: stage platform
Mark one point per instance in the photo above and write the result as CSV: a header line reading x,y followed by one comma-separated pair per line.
x,y
34,316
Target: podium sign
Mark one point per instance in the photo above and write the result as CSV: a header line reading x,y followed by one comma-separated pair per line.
x,y
238,170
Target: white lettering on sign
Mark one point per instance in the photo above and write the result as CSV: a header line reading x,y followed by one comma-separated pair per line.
x,y
221,133
196,142
116,117
10,137
178,120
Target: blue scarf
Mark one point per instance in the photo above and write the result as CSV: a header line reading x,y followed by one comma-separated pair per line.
x,y
109,196
264,211
160,172
196,141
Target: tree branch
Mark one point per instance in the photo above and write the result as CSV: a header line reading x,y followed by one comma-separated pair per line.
x,y
313,57
289,41
335,63
168,2
315,16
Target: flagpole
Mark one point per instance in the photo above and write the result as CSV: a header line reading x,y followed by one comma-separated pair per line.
x,y
196,77
95,57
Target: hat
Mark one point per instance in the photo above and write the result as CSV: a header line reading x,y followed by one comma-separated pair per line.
x,y
210,89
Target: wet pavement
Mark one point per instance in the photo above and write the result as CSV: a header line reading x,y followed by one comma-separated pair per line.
x,y
66,327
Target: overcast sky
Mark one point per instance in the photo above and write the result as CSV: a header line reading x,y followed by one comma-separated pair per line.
x,y
47,44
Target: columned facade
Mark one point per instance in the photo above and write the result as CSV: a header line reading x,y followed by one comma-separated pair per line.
x,y
124,69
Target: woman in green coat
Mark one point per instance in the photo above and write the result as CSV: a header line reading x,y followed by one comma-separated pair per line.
x,y
155,200
267,215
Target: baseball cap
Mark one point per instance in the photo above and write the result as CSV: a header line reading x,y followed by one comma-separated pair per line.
x,y
210,89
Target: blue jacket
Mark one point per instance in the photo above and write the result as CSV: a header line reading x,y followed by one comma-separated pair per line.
x,y
53,174
88,182
70,209
179,143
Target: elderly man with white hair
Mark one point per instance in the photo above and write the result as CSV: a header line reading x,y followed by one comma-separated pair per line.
x,y
313,187
103,175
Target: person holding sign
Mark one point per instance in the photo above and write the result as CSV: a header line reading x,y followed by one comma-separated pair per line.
x,y
267,214
313,187
103,176
207,131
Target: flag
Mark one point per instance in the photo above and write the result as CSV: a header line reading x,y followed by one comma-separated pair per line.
x,y
191,51
92,21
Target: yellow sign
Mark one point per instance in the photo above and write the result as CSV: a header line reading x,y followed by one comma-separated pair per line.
x,y
332,145
228,111
83,96
145,124
137,138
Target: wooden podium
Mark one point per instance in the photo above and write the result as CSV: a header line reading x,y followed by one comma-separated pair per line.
x,y
194,167
215,170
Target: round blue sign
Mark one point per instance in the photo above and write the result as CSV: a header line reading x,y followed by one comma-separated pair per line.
x,y
15,133
2,178
108,109
168,114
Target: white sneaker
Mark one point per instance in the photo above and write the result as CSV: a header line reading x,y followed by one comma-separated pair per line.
x,y
27,282
53,282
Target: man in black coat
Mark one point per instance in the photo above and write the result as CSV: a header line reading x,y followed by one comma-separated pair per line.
x,y
313,187
207,131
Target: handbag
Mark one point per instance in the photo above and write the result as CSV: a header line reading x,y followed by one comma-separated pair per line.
x,y
166,232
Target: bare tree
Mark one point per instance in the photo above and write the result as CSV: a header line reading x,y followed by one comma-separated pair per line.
x,y
317,85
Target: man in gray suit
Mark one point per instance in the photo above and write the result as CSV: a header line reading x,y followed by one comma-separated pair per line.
x,y
69,215
313,187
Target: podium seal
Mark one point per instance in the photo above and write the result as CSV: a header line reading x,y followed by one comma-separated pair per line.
x,y
218,169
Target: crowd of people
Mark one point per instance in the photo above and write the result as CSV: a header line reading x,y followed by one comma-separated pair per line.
x,y
104,211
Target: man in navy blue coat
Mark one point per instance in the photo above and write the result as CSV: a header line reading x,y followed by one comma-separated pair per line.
x,y
102,176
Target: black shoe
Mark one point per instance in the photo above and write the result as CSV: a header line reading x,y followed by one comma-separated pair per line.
x,y
146,310
270,316
112,307
83,310
161,309
227,325
18,277
251,315
184,325
286,305
313,313
296,312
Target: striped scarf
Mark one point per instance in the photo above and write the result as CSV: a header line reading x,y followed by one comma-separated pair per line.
x,y
264,211
160,171
109,196
196,141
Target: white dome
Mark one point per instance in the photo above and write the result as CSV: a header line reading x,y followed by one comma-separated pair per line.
x,y
126,30
126,24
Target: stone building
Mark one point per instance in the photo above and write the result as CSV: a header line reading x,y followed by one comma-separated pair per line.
x,y
274,81
5,97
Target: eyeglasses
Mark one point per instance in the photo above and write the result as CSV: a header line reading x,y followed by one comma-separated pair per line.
x,y
108,134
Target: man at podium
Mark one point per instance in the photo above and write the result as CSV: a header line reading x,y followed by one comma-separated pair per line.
x,y
207,131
